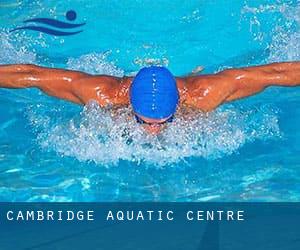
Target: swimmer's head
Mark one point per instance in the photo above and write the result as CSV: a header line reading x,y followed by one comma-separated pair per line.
x,y
154,95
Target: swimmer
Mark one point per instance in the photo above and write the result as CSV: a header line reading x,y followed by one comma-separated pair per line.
x,y
154,93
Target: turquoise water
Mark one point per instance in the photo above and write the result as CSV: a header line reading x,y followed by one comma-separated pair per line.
x,y
52,150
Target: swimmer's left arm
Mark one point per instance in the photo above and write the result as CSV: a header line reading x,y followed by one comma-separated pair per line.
x,y
207,92
252,80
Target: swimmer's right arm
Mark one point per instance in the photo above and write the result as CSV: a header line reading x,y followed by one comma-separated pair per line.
x,y
74,86
54,82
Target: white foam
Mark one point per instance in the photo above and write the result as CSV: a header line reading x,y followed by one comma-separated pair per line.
x,y
106,136
285,44
12,51
95,63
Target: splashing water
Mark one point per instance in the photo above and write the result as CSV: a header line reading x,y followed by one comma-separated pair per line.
x,y
95,63
106,136
284,45
11,53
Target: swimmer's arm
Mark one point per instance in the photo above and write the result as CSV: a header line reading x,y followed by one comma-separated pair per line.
x,y
255,79
74,86
54,82
207,92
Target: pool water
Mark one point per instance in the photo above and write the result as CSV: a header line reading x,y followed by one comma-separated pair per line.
x,y
248,150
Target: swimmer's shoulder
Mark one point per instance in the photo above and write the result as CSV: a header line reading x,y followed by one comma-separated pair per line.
x,y
104,89
191,85
205,92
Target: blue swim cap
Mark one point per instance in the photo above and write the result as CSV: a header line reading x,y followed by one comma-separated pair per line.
x,y
154,93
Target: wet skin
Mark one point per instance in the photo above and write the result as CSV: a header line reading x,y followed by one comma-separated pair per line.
x,y
203,92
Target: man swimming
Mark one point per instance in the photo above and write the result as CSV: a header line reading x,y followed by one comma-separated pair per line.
x,y
153,93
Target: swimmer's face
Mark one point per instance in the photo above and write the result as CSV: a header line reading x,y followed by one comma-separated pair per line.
x,y
153,126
